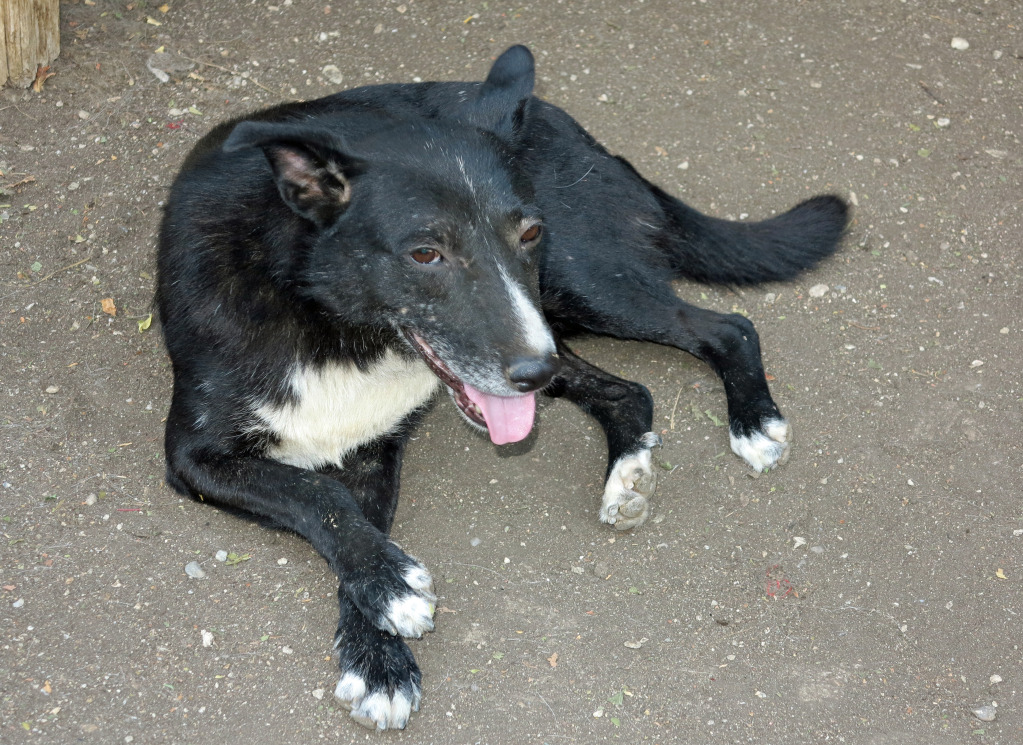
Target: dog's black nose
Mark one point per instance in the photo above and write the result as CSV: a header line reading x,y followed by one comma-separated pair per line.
x,y
532,373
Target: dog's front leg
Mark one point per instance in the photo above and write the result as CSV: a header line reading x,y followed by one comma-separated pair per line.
x,y
384,593
625,411
380,681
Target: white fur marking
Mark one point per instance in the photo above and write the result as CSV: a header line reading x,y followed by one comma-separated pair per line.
x,y
376,710
410,615
764,449
350,690
340,407
534,328
419,579
465,175
380,712
626,493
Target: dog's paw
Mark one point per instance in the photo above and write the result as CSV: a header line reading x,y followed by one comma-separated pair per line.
x,y
396,595
380,681
411,614
628,489
765,446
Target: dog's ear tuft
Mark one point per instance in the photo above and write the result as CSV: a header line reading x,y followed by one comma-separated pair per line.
x,y
500,105
513,71
310,166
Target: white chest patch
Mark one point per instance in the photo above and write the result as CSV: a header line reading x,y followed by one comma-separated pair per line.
x,y
339,407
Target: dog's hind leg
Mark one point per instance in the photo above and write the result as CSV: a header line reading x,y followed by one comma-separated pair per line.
x,y
624,411
727,342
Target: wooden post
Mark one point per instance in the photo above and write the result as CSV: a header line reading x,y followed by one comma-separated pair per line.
x,y
29,37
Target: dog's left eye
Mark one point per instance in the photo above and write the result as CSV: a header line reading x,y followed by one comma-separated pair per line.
x,y
426,256
531,234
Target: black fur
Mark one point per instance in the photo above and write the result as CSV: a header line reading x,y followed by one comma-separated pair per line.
x,y
312,252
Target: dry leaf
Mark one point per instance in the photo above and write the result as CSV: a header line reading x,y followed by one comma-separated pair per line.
x,y
42,75
1001,574
553,659
107,304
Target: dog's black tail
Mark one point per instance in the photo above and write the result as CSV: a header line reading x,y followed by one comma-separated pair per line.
x,y
715,251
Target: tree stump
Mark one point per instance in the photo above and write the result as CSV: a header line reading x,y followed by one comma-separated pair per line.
x,y
29,37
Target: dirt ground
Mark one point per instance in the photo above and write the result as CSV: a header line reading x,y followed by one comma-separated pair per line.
x,y
867,592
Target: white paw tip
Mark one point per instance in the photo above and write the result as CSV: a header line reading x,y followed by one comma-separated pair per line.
x,y
378,711
350,690
410,616
778,430
650,440
766,448
632,480
419,579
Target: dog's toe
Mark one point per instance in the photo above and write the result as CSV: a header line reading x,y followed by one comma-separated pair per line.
x,y
765,447
626,503
380,681
380,711
409,615
374,708
396,595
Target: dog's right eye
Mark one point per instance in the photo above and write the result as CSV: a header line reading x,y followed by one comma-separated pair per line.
x,y
426,256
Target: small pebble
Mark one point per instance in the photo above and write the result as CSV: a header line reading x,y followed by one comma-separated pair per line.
x,y
943,121
20,602
282,562
52,389
193,570
475,542
207,638
220,555
960,43
318,694
598,713
818,290
287,650
985,713
83,114
333,74
90,500
1003,330
995,679
577,570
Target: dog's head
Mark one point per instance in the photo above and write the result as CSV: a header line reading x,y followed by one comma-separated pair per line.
x,y
426,227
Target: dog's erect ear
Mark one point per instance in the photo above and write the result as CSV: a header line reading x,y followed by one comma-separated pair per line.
x,y
310,166
501,102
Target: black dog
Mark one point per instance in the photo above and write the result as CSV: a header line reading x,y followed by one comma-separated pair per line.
x,y
325,266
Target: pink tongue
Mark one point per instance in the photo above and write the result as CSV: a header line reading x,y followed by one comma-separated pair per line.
x,y
509,418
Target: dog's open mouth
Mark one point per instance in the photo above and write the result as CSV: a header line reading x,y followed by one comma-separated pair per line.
x,y
506,418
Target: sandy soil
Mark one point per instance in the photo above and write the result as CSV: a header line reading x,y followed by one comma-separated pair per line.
x,y
867,592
